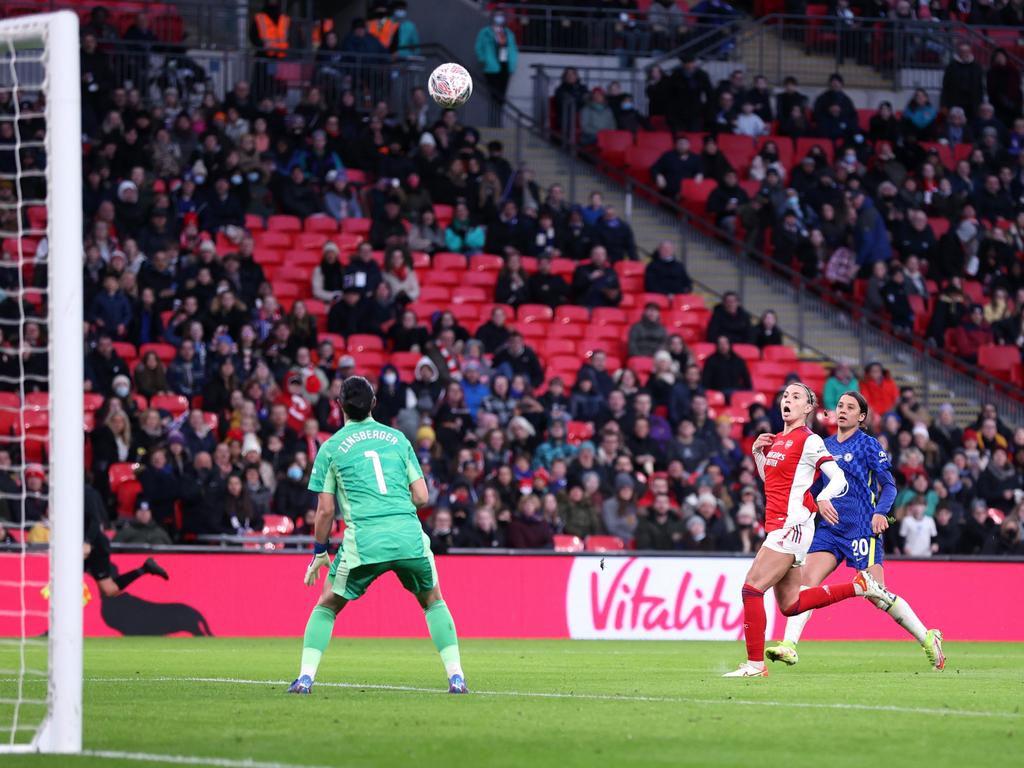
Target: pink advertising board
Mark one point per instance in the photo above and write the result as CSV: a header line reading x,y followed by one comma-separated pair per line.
x,y
527,596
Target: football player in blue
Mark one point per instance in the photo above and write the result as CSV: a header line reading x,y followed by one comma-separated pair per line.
x,y
857,536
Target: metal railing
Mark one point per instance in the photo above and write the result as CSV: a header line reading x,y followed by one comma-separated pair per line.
x,y
938,373
575,29
867,52
194,72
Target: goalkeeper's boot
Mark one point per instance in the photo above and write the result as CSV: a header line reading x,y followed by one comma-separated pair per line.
x,y
785,652
304,685
457,685
746,669
151,566
872,590
933,649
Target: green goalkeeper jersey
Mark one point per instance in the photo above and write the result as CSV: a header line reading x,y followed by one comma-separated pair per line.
x,y
368,467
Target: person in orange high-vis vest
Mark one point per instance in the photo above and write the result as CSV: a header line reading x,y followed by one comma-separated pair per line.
x,y
382,26
272,29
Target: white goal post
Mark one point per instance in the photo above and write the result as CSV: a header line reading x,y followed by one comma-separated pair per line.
x,y
41,53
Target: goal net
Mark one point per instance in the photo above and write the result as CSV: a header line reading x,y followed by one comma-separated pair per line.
x,y
41,417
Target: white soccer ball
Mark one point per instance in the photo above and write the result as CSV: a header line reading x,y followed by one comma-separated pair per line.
x,y
450,85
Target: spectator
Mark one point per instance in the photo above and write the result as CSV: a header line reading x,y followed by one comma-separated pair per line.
x,y
878,389
1006,540
840,382
665,273
725,201
691,96
896,301
731,320
511,287
748,122
1003,84
675,165
620,513
767,332
963,82
595,116
545,287
484,531
724,370
462,235
150,376
497,55
616,236
400,277
516,358
595,283
142,529
972,333
494,333
528,529
917,531
659,529
834,106
647,335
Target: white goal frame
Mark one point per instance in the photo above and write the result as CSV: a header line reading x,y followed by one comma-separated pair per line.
x,y
61,730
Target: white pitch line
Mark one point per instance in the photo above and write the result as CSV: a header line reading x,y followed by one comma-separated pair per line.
x,y
583,696
217,762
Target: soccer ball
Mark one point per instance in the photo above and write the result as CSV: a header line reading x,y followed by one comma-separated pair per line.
x,y
450,85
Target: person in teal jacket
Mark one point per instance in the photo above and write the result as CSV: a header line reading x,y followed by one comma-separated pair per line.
x,y
407,39
497,53
462,236
842,380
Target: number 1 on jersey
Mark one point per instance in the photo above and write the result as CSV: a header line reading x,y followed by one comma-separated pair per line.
x,y
378,470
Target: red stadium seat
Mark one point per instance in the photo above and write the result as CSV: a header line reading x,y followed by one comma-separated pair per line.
x,y
578,431
702,350
603,544
356,226
482,262
566,543
364,342
999,359
278,525
166,352
274,240
779,352
284,223
173,404
320,223
738,149
571,313
469,294
608,316
449,262
534,313
612,145
715,398
744,398
747,351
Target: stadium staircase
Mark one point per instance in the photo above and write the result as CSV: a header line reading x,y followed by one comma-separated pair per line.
x,y
819,331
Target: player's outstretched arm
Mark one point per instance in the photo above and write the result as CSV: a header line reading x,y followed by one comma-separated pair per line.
x,y
321,534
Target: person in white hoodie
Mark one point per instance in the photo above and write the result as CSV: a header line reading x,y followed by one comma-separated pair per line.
x,y
749,123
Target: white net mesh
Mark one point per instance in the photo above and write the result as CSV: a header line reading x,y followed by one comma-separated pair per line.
x,y
24,388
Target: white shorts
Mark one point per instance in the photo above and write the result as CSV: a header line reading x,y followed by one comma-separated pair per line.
x,y
792,540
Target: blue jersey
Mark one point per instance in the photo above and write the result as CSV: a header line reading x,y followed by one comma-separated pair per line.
x,y
870,487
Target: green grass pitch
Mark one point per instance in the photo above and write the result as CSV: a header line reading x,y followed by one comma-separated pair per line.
x,y
546,703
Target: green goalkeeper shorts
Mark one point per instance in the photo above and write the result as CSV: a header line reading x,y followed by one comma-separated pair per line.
x,y
416,574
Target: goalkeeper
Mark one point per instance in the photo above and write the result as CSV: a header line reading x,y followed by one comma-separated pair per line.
x,y
373,473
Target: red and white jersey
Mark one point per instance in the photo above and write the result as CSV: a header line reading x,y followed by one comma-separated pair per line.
x,y
790,468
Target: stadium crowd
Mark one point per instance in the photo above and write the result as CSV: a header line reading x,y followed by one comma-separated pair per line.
x,y
211,379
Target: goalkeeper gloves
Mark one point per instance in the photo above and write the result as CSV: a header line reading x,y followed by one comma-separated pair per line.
x,y
320,560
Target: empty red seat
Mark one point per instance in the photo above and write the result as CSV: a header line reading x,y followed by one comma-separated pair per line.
x,y
275,239
320,223
436,293
747,351
534,313
738,149
310,241
702,350
565,543
612,145
284,223
604,544
744,398
355,226
999,359
608,316
173,404
446,261
363,342
578,431
482,262
469,294
779,352
278,525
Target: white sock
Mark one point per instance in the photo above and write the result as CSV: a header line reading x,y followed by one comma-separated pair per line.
x,y
310,662
453,668
756,664
795,624
904,615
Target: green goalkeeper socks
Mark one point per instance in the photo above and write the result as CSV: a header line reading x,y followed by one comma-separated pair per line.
x,y
319,629
442,632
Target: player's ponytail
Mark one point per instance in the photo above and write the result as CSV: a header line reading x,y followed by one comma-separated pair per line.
x,y
862,403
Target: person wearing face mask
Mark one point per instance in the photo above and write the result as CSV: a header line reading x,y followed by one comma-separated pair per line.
x,y
497,54
406,42
291,497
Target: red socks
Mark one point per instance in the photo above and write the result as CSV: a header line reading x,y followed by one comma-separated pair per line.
x,y
754,622
818,597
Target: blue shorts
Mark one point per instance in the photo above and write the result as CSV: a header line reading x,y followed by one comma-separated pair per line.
x,y
859,553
